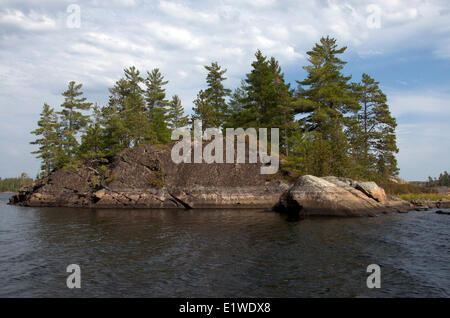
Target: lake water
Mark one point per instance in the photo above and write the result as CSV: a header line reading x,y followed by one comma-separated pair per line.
x,y
219,253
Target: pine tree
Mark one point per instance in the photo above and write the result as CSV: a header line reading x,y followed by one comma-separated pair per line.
x,y
137,123
72,120
92,140
373,137
259,92
125,118
176,114
235,116
216,92
155,97
116,136
203,111
49,142
210,104
325,99
268,100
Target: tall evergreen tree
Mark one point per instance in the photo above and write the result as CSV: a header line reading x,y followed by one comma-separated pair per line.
x,y
92,140
373,136
216,92
155,97
203,111
72,119
267,101
325,100
116,136
125,118
236,105
48,140
177,119
210,104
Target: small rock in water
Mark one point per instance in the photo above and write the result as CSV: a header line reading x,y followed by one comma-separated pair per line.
x,y
443,212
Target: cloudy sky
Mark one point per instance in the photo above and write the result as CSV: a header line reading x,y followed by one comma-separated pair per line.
x,y
403,44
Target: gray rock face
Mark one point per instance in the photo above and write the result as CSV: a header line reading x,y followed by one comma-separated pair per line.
x,y
146,177
333,196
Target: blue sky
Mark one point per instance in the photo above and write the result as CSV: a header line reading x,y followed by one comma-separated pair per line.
x,y
405,45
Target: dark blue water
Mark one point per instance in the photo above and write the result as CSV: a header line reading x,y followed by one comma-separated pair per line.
x,y
219,253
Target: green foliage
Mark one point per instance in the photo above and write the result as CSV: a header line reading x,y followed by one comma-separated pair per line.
x,y
210,105
125,120
350,131
49,140
157,179
72,166
111,179
442,180
324,99
424,196
372,131
328,125
155,97
176,114
403,188
92,140
71,119
94,183
14,184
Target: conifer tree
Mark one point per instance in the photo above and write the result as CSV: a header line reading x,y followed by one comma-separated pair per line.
x,y
203,111
216,92
373,136
155,97
125,118
177,119
48,140
325,100
116,136
92,140
72,119
210,104
235,116
138,124
267,98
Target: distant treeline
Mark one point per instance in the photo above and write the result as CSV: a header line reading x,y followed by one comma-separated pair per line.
x,y
14,184
328,124
443,180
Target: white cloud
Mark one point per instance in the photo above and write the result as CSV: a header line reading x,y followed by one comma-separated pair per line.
x,y
120,3
32,21
173,36
39,55
180,11
420,103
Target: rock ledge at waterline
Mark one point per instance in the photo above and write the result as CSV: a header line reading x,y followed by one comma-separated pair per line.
x,y
310,196
146,177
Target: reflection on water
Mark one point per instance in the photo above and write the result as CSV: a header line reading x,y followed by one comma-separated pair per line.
x,y
219,253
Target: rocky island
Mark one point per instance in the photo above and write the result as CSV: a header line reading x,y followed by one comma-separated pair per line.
x,y
146,177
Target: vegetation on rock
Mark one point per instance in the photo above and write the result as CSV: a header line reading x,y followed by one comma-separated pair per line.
x,y
328,124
